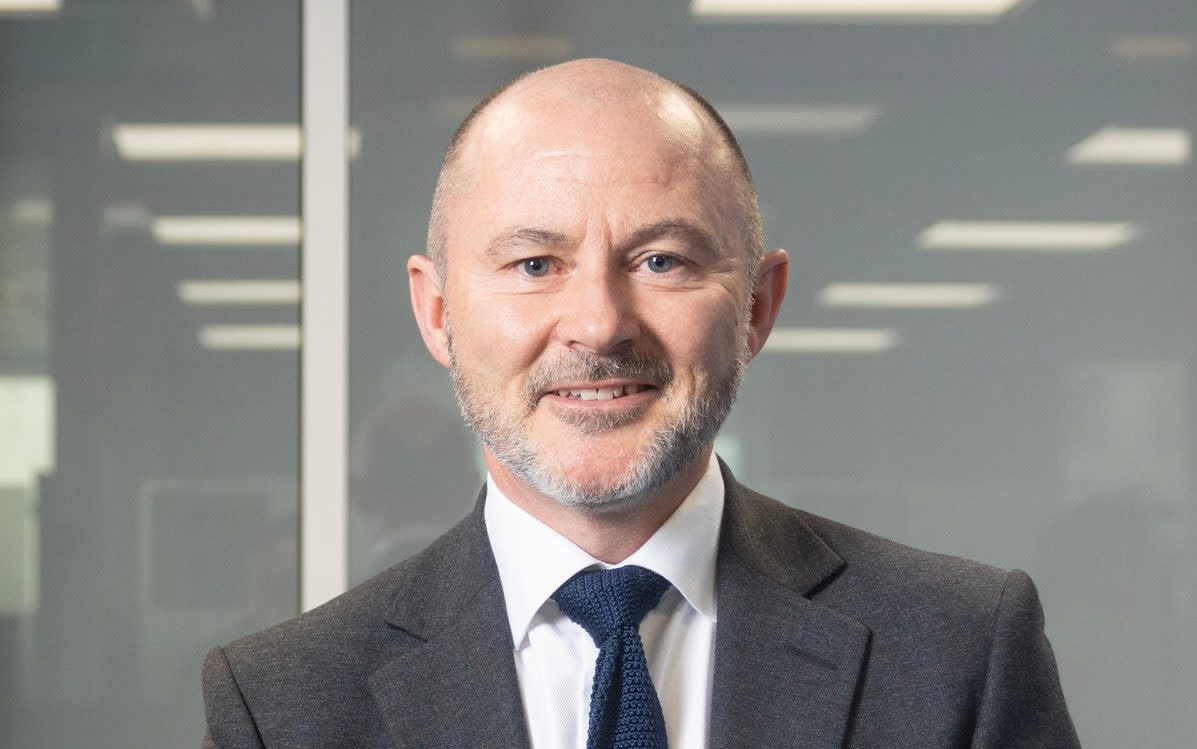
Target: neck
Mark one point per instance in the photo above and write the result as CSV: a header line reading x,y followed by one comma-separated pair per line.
x,y
609,537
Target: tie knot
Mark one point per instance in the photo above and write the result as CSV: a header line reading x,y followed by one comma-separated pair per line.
x,y
602,601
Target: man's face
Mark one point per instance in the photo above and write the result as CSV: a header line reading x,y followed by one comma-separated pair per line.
x,y
594,299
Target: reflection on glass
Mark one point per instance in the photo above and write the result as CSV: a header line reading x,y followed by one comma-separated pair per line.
x,y
147,483
1125,145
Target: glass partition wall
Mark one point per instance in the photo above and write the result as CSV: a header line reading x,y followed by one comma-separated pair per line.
x,y
988,344
149,200
987,348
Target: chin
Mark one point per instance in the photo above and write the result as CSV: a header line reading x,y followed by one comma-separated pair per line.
x,y
601,499
595,484
610,472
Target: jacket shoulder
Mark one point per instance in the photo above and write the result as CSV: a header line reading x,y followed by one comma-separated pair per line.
x,y
305,681
880,580
957,651
875,561
329,632
326,655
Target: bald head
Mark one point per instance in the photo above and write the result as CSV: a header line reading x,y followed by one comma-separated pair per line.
x,y
604,100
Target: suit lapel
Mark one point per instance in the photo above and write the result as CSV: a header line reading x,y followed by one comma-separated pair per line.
x,y
786,668
456,685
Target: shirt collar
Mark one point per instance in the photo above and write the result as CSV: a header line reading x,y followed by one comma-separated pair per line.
x,y
534,560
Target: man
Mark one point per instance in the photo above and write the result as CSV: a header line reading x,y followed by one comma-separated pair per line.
x,y
596,284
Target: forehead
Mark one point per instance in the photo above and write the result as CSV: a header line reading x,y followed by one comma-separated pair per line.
x,y
592,111
583,169
551,149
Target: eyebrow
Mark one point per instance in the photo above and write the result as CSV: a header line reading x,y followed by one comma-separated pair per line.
x,y
682,230
525,236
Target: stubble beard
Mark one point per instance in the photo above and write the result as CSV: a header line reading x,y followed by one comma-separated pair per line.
x,y
675,444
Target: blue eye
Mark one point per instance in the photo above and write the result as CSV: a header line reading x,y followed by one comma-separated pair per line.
x,y
660,263
535,266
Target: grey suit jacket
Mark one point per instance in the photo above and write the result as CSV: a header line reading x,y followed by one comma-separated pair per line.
x,y
827,637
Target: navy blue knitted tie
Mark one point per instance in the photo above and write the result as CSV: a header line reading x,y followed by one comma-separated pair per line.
x,y
609,604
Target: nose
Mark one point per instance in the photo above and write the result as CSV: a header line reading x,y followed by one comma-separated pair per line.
x,y
597,313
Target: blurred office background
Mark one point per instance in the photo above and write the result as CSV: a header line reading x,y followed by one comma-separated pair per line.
x,y
989,347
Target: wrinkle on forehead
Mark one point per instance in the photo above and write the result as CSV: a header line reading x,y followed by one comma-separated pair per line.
x,y
629,167
565,153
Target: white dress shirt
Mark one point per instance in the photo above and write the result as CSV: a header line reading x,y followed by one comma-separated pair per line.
x,y
554,657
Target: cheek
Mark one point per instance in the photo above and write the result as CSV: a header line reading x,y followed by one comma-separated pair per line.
x,y
698,336
505,337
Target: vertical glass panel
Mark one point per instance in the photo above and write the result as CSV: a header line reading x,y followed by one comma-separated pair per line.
x,y
148,371
1040,416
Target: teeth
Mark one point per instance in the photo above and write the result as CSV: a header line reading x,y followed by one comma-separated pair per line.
x,y
600,394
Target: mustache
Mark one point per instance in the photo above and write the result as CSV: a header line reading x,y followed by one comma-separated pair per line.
x,y
637,365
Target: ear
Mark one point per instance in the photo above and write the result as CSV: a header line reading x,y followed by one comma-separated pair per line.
x,y
767,295
428,305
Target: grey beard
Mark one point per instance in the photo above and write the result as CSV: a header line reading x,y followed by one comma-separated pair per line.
x,y
675,444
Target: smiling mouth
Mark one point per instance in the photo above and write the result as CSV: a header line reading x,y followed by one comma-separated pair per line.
x,y
601,393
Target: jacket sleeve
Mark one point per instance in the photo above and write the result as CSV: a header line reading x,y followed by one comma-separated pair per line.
x,y
1021,702
230,725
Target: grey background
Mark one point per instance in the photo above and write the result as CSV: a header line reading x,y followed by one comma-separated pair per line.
x,y
147,485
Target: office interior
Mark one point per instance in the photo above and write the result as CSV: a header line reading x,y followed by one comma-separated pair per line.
x,y
988,348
